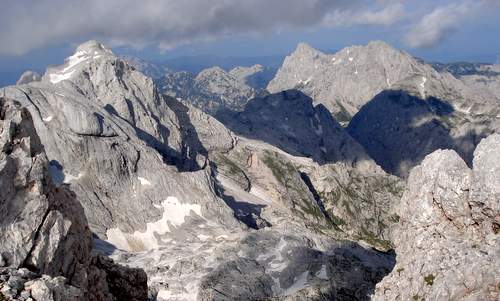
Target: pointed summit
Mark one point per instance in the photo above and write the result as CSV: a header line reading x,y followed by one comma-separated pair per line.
x,y
93,47
306,49
85,53
346,80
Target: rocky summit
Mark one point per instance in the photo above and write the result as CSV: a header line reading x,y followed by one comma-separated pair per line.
x,y
365,174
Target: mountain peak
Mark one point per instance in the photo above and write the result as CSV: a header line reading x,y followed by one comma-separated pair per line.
x,y
304,48
86,52
93,47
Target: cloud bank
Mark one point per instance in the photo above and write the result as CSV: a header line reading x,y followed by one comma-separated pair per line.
x,y
31,24
437,25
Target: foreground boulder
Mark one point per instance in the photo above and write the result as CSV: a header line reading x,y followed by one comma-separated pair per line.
x,y
46,246
447,241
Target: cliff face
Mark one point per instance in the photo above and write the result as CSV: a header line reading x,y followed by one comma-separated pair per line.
x,y
447,239
46,250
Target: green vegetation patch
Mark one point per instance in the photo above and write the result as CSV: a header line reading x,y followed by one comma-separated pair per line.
x,y
281,170
429,279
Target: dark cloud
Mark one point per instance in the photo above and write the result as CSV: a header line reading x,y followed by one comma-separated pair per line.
x,y
31,24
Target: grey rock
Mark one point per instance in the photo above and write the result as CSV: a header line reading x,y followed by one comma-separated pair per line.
x,y
44,226
343,82
210,90
447,235
256,76
447,115
28,77
300,129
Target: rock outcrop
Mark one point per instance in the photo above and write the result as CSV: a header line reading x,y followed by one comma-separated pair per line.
x,y
46,246
210,90
256,76
447,239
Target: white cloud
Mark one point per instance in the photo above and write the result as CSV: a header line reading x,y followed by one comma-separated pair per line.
x,y
31,24
386,15
441,22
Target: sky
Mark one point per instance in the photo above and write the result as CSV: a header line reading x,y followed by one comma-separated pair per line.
x,y
37,33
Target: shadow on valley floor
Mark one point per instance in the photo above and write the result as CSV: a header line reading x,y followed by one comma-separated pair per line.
x,y
290,121
398,130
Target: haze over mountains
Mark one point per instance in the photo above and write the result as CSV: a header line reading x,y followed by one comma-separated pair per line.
x,y
362,174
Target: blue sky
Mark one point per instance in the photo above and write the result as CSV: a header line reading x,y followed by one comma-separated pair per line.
x,y
37,33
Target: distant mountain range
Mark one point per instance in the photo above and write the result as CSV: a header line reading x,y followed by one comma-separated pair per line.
x,y
355,175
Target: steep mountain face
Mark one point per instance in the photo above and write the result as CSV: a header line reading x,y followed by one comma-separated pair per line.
x,y
483,77
168,189
428,112
211,90
301,129
447,239
256,76
43,228
341,176
343,82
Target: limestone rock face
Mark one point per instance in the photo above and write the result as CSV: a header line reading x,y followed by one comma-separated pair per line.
x,y
290,121
343,82
256,76
447,240
43,228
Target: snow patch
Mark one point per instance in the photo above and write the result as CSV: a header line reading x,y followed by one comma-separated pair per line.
x,y
300,283
322,273
68,178
58,77
424,80
48,118
203,237
351,59
144,182
174,215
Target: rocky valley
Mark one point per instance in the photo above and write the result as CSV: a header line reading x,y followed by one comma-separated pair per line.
x,y
363,174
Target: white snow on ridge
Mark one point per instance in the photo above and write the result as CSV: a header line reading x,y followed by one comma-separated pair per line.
x,y
58,77
174,214
71,62
424,80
